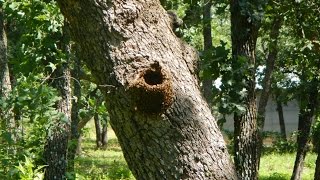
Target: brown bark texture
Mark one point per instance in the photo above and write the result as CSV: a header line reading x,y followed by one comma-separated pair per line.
x,y
244,36
163,124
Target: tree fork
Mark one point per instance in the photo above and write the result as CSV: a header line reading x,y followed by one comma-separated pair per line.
x,y
132,50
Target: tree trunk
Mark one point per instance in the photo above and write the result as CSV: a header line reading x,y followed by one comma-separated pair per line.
x,y
281,120
97,125
316,143
5,84
75,135
55,150
244,36
163,124
97,121
6,114
104,135
308,103
207,38
270,63
79,143
83,121
317,170
267,80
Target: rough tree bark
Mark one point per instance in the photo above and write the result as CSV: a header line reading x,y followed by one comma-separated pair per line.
x,y
55,150
207,38
163,124
244,32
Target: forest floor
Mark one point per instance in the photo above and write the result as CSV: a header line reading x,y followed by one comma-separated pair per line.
x,y
109,163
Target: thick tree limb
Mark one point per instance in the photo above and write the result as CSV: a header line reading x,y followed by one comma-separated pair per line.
x,y
163,124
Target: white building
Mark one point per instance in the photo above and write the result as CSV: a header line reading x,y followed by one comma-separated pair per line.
x,y
290,113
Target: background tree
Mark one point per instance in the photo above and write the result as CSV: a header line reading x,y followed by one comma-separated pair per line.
x,y
56,147
275,19
316,135
207,84
6,115
305,65
75,108
245,23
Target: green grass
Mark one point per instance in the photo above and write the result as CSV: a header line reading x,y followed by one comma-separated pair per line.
x,y
101,164
279,166
109,164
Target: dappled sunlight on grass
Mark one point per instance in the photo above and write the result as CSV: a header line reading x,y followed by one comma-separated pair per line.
x,y
109,164
101,164
277,166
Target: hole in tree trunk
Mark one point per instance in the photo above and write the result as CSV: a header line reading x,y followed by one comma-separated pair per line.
x,y
153,77
153,92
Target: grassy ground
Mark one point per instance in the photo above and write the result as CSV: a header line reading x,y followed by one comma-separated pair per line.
x,y
279,167
106,164
109,164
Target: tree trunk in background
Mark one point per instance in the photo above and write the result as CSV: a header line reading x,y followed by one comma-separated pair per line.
x,y
244,36
6,114
79,143
5,84
55,150
281,120
163,124
97,121
267,80
75,134
101,130
207,38
308,104
97,125
82,123
316,142
104,135
317,170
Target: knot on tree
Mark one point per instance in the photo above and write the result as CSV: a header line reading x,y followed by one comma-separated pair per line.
x,y
152,90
